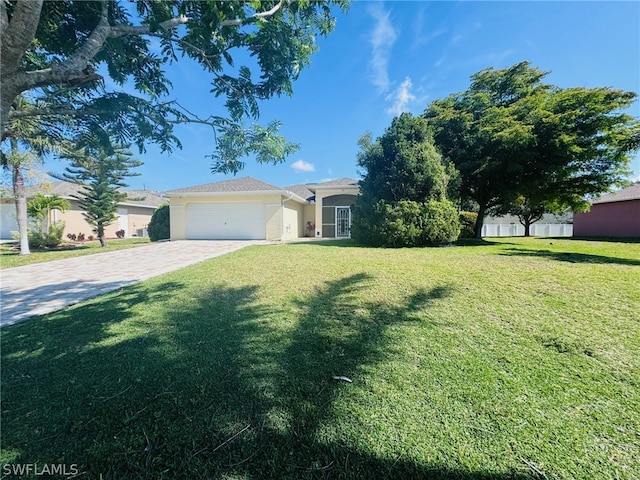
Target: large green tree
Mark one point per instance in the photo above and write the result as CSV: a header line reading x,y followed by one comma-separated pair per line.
x,y
60,51
511,136
403,164
403,192
101,174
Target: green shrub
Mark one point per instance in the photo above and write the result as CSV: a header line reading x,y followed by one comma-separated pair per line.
x,y
468,224
367,227
160,227
405,224
440,223
38,239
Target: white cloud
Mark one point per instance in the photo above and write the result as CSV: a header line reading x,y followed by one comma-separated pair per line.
x,y
382,39
402,97
302,166
464,32
496,58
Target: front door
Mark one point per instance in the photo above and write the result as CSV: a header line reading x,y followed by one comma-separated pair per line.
x,y
343,221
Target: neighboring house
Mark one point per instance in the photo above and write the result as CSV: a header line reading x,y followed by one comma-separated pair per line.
x,y
246,208
134,213
613,215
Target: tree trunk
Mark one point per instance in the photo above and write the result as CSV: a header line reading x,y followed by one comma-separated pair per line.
x,y
15,38
480,222
101,237
527,228
21,202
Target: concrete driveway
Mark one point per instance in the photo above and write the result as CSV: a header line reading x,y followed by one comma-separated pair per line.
x,y
46,287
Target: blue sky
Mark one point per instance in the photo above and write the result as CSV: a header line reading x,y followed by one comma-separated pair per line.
x,y
390,57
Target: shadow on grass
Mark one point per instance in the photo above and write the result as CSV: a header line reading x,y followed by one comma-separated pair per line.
x,y
602,239
350,243
571,257
473,242
221,386
324,242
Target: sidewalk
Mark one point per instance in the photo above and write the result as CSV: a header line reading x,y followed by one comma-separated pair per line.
x,y
46,287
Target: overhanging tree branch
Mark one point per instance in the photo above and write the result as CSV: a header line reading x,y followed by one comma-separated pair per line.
x,y
123,30
17,34
240,21
52,112
78,36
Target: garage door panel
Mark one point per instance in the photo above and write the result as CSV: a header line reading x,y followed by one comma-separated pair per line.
x,y
229,221
8,222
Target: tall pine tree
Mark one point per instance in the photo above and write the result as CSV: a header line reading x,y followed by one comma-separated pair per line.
x,y
101,174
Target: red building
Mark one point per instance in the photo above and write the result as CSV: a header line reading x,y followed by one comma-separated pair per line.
x,y
613,215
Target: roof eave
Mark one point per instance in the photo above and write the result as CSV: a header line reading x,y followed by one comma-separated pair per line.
x,y
251,193
125,204
355,188
616,201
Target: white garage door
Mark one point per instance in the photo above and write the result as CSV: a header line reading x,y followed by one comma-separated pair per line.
x,y
226,221
8,221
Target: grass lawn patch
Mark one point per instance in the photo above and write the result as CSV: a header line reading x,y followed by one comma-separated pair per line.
x,y
10,258
511,359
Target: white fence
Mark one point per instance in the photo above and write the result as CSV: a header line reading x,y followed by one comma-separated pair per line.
x,y
536,230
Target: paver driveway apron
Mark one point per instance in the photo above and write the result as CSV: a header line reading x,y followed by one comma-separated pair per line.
x,y
45,287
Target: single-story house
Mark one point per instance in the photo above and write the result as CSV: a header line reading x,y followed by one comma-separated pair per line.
x,y
246,208
134,213
614,215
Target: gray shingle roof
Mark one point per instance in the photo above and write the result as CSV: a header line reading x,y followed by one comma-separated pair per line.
x,y
148,198
302,191
62,189
340,182
249,184
629,193
244,184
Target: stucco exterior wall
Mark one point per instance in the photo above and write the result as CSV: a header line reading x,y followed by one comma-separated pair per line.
x,y
139,218
74,222
178,224
615,219
309,216
293,220
273,219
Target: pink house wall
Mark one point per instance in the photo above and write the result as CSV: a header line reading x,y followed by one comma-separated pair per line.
x,y
614,219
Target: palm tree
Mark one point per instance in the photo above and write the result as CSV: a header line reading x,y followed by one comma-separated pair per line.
x,y
41,208
37,136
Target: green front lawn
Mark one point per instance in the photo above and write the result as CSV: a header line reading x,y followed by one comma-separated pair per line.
x,y
514,359
10,258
